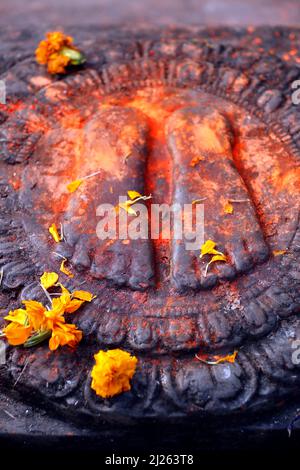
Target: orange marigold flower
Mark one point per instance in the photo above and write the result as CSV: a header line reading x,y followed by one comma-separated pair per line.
x,y
112,372
58,51
64,334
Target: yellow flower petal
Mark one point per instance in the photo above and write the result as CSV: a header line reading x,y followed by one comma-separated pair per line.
x,y
73,305
17,334
213,260
48,279
112,372
83,295
54,232
218,258
64,290
127,207
133,194
64,269
74,185
208,248
228,208
279,252
17,316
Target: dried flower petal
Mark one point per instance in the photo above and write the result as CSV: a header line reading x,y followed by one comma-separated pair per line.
x,y
74,185
112,372
133,194
73,305
127,207
218,360
83,295
64,269
54,232
48,279
279,252
228,208
208,248
57,52
135,197
213,260
198,201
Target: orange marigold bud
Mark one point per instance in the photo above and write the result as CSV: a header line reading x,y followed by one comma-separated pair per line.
x,y
58,51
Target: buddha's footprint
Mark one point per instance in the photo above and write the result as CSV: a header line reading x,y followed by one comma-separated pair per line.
x,y
114,143
200,141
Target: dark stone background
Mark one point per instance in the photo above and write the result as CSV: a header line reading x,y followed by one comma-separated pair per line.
x,y
219,445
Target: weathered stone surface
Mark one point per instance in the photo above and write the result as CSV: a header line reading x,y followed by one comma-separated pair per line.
x,y
139,111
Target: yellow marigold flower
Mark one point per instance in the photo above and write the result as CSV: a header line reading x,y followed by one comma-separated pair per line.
x,y
58,51
16,333
112,372
48,280
64,334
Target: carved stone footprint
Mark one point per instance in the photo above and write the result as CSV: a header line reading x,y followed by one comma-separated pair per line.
x,y
114,144
200,141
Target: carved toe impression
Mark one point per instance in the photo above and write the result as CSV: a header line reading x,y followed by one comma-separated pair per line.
x,y
115,141
201,143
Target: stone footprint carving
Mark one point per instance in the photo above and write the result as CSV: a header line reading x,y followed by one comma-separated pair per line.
x,y
200,141
114,143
